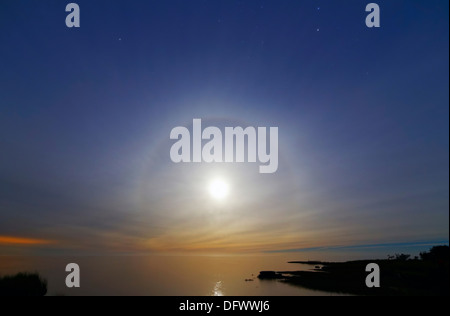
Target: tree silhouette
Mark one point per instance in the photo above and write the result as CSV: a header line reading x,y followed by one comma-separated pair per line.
x,y
23,284
436,254
402,257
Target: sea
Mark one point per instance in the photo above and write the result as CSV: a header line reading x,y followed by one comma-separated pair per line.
x,y
162,275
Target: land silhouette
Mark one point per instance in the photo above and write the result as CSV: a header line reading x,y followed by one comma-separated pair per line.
x,y
427,275
23,284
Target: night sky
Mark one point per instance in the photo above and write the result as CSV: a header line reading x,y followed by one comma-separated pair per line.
x,y
86,114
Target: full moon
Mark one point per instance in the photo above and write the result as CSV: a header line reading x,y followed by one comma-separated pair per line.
x,y
219,189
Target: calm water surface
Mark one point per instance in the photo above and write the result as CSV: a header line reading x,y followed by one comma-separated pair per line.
x,y
162,275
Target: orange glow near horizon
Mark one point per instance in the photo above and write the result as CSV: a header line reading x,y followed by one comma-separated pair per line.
x,y
10,240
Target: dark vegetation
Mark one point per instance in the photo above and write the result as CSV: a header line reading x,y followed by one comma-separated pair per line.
x,y
23,284
400,275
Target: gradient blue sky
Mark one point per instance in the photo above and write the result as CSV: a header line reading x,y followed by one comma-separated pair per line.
x,y
85,118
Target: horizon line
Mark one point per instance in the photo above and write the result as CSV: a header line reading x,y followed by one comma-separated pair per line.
x,y
365,246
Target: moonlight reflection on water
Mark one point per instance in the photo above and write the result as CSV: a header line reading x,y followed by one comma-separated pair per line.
x,y
218,289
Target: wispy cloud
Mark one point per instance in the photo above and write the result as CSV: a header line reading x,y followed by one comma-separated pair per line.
x,y
11,240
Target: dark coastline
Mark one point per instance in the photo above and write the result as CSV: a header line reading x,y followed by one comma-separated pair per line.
x,y
399,275
409,278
